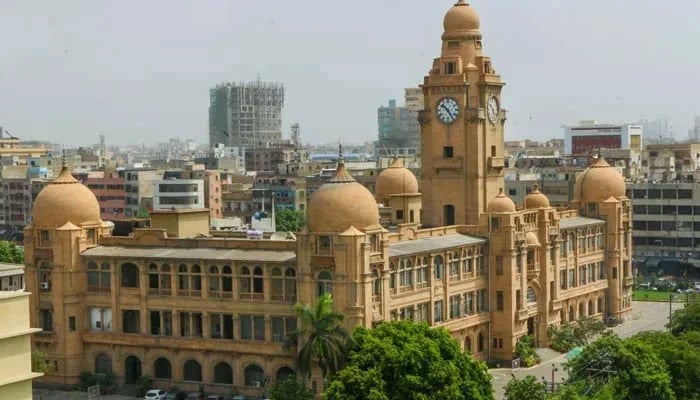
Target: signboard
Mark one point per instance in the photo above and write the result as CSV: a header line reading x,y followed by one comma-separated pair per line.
x,y
584,144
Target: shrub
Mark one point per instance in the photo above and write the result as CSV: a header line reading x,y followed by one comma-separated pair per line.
x,y
525,350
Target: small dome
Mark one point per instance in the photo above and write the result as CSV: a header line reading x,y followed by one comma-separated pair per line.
x,y
531,240
461,17
536,199
65,200
396,179
598,182
501,204
341,203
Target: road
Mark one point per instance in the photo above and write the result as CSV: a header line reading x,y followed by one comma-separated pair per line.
x,y
647,316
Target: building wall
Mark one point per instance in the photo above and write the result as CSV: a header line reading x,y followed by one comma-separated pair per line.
x,y
178,194
15,347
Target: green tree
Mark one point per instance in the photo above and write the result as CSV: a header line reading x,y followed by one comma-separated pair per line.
x,y
321,340
682,360
685,319
39,363
527,388
631,367
289,220
11,253
567,336
525,350
290,389
403,360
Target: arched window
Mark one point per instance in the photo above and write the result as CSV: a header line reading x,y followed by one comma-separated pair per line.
x,y
454,265
189,280
438,268
531,296
251,284
183,279
562,315
591,309
480,343
196,278
572,316
285,373
254,375
325,284
581,310
468,344
214,281
192,371
153,278
162,369
283,286
98,279
223,373
227,282
103,364
600,304
164,281
93,275
392,277
130,275
105,274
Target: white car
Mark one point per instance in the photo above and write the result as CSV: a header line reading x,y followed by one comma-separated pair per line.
x,y
155,394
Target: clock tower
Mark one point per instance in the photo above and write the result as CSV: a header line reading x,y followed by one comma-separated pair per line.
x,y
461,126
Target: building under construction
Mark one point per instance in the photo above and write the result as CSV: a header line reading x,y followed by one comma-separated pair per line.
x,y
246,114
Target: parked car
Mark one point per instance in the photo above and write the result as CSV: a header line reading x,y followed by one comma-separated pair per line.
x,y
176,396
155,394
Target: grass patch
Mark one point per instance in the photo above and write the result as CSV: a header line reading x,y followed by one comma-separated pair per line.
x,y
654,295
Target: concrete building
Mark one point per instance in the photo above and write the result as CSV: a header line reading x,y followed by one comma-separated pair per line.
x,y
246,114
178,194
15,346
590,136
11,277
110,191
138,184
212,191
188,309
399,131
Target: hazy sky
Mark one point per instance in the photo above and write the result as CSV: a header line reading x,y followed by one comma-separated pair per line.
x,y
140,71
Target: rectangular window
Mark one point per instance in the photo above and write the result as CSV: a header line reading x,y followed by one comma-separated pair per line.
x,y
131,321
572,279
455,306
499,265
495,222
499,300
71,324
422,310
447,152
221,326
562,279
253,327
614,273
282,327
399,214
469,303
518,300
437,312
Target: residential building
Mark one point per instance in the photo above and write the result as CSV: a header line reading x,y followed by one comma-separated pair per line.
x,y
178,194
399,131
11,277
138,184
110,191
590,136
246,114
192,310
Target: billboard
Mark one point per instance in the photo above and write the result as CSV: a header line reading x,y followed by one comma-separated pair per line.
x,y
584,144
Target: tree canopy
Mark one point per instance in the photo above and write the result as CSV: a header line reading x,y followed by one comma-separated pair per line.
x,y
685,319
290,389
11,253
289,220
527,388
403,360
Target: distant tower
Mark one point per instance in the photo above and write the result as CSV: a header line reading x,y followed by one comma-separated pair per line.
x,y
296,134
103,150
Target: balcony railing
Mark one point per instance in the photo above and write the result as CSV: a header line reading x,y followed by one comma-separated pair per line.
x,y
159,292
189,293
422,285
251,296
284,298
218,294
99,289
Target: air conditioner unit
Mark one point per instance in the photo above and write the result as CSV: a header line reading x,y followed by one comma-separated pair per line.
x,y
45,285
257,384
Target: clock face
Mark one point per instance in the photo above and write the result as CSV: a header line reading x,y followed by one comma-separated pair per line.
x,y
492,109
448,110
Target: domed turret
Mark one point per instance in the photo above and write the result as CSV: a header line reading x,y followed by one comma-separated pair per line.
x,y
598,182
501,204
536,199
396,179
65,200
461,17
341,203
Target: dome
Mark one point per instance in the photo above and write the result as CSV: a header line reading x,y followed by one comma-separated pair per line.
x,y
501,204
531,240
536,199
341,203
396,179
65,200
598,182
461,17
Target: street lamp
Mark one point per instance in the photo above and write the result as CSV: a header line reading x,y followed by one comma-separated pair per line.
x,y
554,369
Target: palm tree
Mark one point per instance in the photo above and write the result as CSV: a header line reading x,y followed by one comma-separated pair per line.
x,y
323,340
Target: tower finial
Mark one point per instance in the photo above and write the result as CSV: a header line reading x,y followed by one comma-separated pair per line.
x,y
64,163
341,160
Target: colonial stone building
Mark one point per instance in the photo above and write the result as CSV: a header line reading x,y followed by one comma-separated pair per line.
x,y
189,309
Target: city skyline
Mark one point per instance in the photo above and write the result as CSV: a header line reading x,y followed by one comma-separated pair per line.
x,y
89,68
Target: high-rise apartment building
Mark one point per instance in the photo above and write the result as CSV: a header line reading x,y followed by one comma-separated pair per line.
x,y
246,114
398,127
